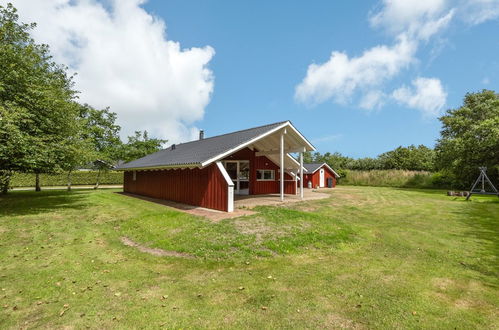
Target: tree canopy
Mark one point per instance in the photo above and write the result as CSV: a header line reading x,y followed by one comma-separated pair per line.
x,y
470,138
38,114
140,145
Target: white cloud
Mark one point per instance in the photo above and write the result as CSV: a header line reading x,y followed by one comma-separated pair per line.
x,y
372,100
426,95
124,60
341,76
479,11
420,19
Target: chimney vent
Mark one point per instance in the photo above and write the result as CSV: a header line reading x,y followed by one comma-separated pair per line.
x,y
201,134
173,146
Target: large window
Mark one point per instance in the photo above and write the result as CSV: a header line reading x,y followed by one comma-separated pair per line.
x,y
265,175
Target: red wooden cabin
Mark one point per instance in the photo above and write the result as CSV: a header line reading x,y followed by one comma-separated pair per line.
x,y
208,172
320,175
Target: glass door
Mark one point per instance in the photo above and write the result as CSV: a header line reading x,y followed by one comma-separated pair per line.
x,y
238,171
243,177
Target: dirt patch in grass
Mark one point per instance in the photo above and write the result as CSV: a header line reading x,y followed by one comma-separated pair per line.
x,y
444,283
257,227
154,251
263,229
335,321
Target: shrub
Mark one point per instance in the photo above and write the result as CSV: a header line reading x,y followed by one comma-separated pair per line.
x,y
395,178
77,178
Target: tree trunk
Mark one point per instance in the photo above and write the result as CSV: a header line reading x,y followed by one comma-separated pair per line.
x,y
98,178
69,180
5,181
37,182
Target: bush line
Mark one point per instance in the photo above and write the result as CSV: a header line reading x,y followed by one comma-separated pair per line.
x,y
61,179
395,178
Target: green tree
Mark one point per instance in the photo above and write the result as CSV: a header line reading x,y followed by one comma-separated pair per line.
x,y
101,130
79,149
140,145
420,158
470,138
36,102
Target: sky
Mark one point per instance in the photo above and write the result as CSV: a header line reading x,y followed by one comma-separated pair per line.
x,y
356,77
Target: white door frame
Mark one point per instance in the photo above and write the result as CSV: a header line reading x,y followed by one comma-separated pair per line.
x,y
321,178
237,189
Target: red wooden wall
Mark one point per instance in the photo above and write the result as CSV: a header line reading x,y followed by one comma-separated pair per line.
x,y
200,187
263,163
316,177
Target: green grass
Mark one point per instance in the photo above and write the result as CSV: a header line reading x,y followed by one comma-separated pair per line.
x,y
365,258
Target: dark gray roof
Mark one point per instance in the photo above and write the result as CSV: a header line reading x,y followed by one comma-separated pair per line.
x,y
198,151
312,167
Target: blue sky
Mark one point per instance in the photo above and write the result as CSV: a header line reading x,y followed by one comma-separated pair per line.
x,y
237,64
263,49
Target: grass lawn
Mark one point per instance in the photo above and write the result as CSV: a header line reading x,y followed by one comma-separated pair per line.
x,y
365,258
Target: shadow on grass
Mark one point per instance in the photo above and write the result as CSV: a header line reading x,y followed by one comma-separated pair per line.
x,y
18,203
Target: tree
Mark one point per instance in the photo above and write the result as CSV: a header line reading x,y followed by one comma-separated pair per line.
x,y
101,129
37,115
470,138
102,132
79,149
140,145
420,158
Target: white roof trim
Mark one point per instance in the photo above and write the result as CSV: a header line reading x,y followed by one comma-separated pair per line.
x,y
336,174
247,143
301,136
225,174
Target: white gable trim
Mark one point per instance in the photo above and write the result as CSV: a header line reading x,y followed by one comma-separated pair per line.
x,y
329,167
247,143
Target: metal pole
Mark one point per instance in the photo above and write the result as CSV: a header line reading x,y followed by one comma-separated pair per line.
x,y
483,181
282,166
301,175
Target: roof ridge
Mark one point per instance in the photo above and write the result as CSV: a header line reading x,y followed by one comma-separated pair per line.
x,y
239,131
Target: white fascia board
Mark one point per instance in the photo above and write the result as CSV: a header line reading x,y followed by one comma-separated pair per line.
x,y
329,167
244,145
301,136
225,174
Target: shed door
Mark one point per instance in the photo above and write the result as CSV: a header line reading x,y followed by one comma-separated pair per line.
x,y
321,178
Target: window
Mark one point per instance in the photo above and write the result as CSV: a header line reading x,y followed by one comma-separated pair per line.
x,y
265,175
134,175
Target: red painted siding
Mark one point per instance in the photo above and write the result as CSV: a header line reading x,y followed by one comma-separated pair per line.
x,y
315,178
200,187
263,163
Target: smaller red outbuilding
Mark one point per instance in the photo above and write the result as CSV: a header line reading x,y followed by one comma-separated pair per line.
x,y
319,175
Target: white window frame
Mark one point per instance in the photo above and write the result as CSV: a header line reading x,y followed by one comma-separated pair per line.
x,y
263,175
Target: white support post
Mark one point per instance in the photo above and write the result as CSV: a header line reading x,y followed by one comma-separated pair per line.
x,y
282,164
230,187
301,175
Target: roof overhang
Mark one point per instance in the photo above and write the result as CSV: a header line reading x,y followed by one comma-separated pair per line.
x,y
269,144
329,167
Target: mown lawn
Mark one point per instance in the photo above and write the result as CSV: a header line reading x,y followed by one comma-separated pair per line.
x,y
365,258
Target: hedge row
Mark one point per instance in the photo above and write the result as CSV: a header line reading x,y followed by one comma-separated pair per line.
x,y
394,178
77,178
